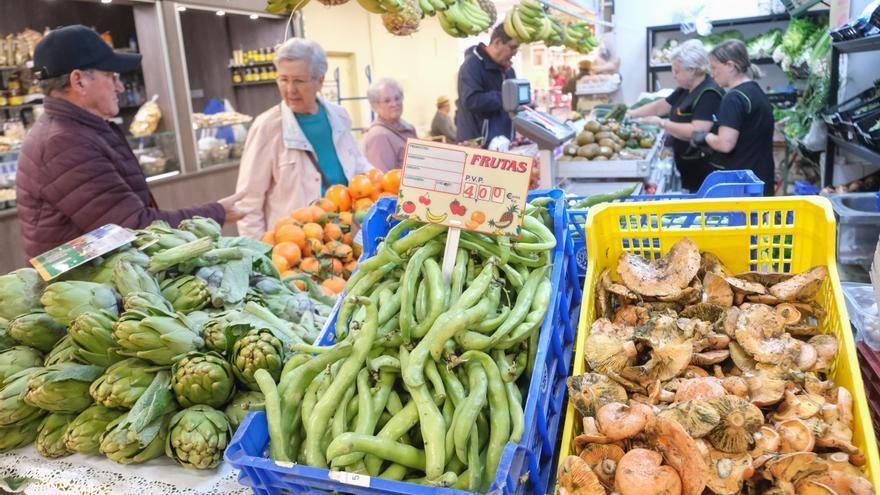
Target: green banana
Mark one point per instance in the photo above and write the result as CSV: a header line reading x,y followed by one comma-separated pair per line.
x,y
447,26
427,7
524,33
439,5
372,6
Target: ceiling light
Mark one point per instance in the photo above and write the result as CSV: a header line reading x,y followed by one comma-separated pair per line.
x,y
181,8
106,1
221,12
254,17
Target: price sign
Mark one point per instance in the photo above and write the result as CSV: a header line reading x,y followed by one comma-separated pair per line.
x,y
81,250
464,188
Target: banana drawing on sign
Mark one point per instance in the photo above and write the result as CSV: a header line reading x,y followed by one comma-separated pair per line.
x,y
464,188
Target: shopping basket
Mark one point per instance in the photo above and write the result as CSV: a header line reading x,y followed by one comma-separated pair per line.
x,y
764,234
719,184
525,467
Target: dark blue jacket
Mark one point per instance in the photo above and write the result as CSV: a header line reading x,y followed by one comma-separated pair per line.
x,y
479,96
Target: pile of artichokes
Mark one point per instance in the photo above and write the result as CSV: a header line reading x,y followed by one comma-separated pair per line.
x,y
149,350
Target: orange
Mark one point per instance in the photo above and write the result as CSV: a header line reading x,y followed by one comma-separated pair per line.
x,y
280,262
327,292
348,238
284,221
303,215
375,175
291,233
363,204
375,195
299,283
335,266
289,251
360,187
350,266
313,231
334,284
391,181
290,273
315,246
339,195
332,232
310,265
269,237
345,218
327,249
317,213
326,205
343,252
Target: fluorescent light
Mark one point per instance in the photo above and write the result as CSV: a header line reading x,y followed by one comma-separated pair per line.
x,y
221,12
106,1
181,8
254,17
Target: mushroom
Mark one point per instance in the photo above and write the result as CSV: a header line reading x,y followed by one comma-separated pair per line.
x,y
603,460
826,348
788,313
714,341
786,468
760,332
801,287
727,323
699,389
687,296
840,482
640,472
710,263
838,436
803,406
666,362
767,441
697,417
680,451
661,330
840,461
710,357
603,300
767,299
736,385
590,435
590,391
844,402
604,352
727,472
807,358
575,477
657,393
740,358
739,422
717,291
632,315
809,486
663,277
608,327
705,311
619,421
694,372
802,330
795,436
744,287
810,308
766,385
765,278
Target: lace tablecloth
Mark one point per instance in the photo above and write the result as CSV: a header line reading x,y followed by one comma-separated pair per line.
x,y
96,475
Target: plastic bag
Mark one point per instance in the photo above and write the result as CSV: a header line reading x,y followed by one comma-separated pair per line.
x,y
147,118
817,136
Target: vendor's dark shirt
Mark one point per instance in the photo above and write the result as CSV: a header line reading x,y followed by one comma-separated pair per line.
x,y
747,109
702,103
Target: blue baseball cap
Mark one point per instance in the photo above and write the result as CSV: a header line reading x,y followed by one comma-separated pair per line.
x,y
68,48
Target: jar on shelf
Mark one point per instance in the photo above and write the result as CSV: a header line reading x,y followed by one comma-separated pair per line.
x,y
15,97
236,77
3,99
264,74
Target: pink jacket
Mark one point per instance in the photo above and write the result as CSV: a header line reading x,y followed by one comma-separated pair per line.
x,y
278,174
384,144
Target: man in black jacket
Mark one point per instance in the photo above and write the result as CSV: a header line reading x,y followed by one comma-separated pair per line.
x,y
480,77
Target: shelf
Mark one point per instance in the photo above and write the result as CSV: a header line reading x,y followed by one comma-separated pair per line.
x,y
668,67
802,8
19,107
858,149
867,44
255,83
739,21
251,66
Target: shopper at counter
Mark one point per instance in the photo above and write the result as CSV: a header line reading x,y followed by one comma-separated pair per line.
x,y
691,108
442,124
385,140
480,77
76,171
298,148
745,134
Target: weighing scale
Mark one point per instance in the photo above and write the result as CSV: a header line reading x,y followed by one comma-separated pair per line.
x,y
548,132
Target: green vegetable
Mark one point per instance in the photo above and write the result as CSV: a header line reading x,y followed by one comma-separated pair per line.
x,y
168,258
50,435
242,404
122,384
13,409
201,227
18,358
197,437
5,340
130,277
63,352
20,292
15,437
202,378
64,301
220,332
762,46
150,303
61,388
603,198
91,335
84,432
186,293
158,339
257,349
36,329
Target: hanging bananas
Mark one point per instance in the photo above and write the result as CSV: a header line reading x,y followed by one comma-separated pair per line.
x,y
528,22
382,6
463,18
281,7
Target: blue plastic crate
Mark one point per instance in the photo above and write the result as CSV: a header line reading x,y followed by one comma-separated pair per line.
x,y
525,467
719,184
802,188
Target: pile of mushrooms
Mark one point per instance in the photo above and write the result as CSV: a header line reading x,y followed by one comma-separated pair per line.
x,y
702,380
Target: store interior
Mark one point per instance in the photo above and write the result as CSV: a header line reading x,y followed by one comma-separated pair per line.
x,y
440,247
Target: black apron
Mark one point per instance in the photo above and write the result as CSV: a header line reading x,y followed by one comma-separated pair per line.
x,y
692,164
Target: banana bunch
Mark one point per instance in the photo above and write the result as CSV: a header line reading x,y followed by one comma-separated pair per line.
x,y
382,6
464,18
279,7
431,7
527,22
579,37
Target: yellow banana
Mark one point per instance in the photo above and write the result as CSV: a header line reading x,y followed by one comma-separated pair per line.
x,y
435,218
525,33
447,25
508,25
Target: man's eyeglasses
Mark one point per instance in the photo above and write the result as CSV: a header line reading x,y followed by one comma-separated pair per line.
x,y
113,76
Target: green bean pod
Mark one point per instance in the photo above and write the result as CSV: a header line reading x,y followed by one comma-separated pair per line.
x,y
383,362
362,287
436,381
340,418
470,409
474,464
394,429
396,452
421,308
547,239
517,419
455,390
431,423
435,300
278,445
499,431
389,308
408,287
459,277
532,323
394,472
490,325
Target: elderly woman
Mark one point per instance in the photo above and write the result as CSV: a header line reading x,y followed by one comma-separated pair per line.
x,y
298,148
691,108
385,140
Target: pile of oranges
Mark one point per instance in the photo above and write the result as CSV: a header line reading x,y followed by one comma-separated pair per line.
x,y
319,239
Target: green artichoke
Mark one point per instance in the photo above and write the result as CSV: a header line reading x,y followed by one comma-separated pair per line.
x,y
92,337
15,437
63,352
84,433
160,236
242,404
50,435
13,409
123,383
36,329
129,277
202,378
215,331
186,293
67,300
257,349
149,303
6,341
20,292
18,358
62,388
198,436
100,270
158,339
201,227
139,435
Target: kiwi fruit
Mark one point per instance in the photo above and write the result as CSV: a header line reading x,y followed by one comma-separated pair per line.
x,y
592,126
600,158
585,137
617,147
570,149
606,142
605,151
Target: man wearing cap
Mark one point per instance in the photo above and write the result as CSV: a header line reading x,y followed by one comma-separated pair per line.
x,y
442,124
76,171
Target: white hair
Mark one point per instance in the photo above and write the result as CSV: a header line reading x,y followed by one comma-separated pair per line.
x,y
296,49
376,88
691,55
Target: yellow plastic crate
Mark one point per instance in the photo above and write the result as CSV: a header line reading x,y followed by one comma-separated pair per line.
x,y
763,234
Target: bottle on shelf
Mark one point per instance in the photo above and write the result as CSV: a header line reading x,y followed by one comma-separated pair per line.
x,y
236,77
264,74
273,72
